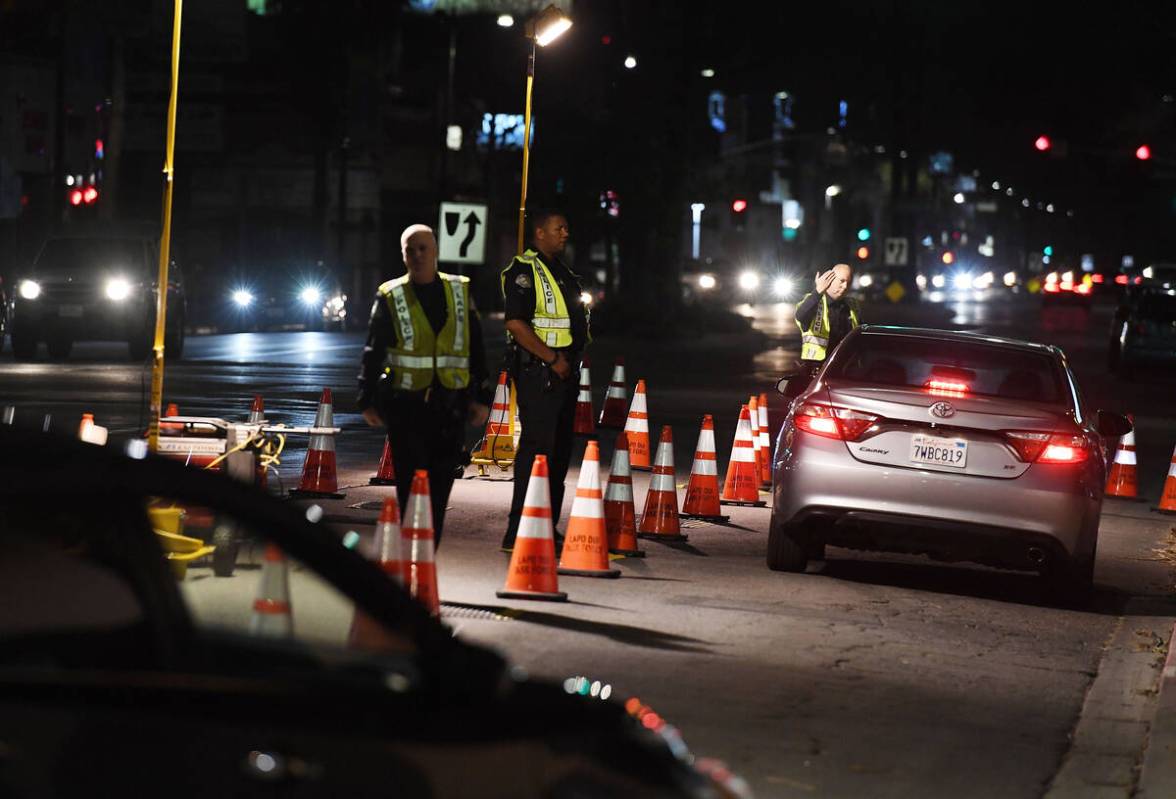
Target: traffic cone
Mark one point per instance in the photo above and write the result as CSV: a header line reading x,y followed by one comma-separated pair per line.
x,y
742,484
585,422
585,547
1168,498
385,474
366,632
532,571
620,516
765,443
1121,480
257,411
271,609
498,441
420,568
615,401
85,425
318,473
702,493
753,417
660,519
170,427
637,429
90,432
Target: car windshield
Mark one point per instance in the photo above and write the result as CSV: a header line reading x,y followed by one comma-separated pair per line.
x,y
91,255
950,366
1158,307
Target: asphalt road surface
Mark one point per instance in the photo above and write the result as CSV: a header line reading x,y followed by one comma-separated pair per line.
x,y
867,676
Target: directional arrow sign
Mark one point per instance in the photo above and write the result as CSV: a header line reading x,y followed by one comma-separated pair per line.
x,y
461,234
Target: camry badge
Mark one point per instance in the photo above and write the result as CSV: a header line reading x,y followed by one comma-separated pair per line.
x,y
942,410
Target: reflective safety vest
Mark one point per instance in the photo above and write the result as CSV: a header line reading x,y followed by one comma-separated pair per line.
x,y
418,354
815,341
551,321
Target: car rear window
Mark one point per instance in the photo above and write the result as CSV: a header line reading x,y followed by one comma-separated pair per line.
x,y
949,366
97,254
1158,308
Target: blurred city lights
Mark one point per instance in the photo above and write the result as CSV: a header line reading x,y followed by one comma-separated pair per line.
x,y
706,282
708,73
630,62
958,199
549,25
749,281
1043,143
505,20
1143,152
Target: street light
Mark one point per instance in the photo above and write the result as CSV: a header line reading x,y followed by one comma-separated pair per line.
x,y
542,29
505,21
830,193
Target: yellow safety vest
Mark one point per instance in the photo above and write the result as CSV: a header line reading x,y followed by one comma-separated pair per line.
x,y
815,341
551,321
418,353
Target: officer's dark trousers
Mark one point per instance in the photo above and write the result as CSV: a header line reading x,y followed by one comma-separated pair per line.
x,y
547,413
423,437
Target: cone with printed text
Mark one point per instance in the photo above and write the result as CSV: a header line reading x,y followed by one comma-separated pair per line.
x,y
742,484
272,616
532,570
620,515
500,440
702,492
1122,482
1168,497
585,424
318,473
385,549
765,443
637,430
659,521
420,567
386,473
756,446
585,547
616,400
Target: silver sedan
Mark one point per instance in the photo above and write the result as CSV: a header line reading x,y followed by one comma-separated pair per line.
x,y
959,446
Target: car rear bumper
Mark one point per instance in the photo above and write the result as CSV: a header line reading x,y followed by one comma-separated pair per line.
x,y
846,502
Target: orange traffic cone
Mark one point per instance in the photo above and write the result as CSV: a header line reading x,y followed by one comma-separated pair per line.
x,y
499,441
85,425
532,571
385,474
257,411
756,446
742,484
170,427
366,633
620,515
637,429
702,493
585,424
660,519
90,432
271,609
1168,498
765,444
420,567
585,548
615,405
1121,480
318,473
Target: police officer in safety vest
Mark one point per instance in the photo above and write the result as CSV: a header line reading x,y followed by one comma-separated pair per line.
x,y
547,323
825,317
423,374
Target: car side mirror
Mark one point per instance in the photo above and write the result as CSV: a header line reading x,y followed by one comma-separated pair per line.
x,y
782,383
1113,424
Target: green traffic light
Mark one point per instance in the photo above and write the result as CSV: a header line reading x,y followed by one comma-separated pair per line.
x,y
1047,250
864,234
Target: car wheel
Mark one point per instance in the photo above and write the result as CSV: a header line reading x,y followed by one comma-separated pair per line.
x,y
224,558
24,345
785,552
59,347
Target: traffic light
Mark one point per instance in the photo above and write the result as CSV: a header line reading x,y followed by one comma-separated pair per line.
x,y
863,253
1043,143
948,258
863,234
738,213
1047,250
739,206
1143,152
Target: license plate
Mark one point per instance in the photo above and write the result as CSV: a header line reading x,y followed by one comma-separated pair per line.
x,y
932,451
69,310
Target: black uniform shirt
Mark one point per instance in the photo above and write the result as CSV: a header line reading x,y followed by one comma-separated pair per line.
x,y
520,297
382,334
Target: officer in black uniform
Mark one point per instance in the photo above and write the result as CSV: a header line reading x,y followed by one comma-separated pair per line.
x,y
547,347
425,419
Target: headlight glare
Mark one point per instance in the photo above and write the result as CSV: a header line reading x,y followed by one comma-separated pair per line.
x,y
118,289
749,281
30,289
242,298
782,287
310,295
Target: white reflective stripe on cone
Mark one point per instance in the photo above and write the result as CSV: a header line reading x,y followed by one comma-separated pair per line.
x,y
743,454
663,482
1172,469
322,443
705,467
1125,457
584,396
535,527
637,425
619,492
664,457
706,441
588,507
639,404
422,550
618,374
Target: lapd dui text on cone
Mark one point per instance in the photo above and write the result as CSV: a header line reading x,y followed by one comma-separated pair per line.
x,y
660,518
585,547
532,570
637,429
620,514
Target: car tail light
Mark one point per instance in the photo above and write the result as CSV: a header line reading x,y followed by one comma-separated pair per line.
x,y
1138,280
1097,278
1051,288
946,388
1082,288
829,422
1120,280
1048,448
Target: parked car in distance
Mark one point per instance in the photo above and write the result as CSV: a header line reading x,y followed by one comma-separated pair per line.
x,y
1143,331
286,299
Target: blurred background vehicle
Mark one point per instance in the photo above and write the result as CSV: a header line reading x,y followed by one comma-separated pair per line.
x,y
289,299
1144,331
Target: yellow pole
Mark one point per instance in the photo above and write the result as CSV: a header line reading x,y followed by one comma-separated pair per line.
x,y
526,145
165,238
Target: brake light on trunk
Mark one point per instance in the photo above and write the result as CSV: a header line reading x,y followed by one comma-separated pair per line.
x,y
946,388
1048,448
829,422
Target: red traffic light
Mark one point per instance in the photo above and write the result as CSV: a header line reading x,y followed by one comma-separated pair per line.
x,y
1043,143
1143,152
739,206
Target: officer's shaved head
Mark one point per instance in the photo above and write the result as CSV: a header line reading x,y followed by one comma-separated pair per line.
x,y
418,245
411,230
840,284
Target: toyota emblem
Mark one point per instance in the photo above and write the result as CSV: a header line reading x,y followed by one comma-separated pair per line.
x,y
942,410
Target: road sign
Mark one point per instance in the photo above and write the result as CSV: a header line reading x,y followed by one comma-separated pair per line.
x,y
461,233
895,291
896,251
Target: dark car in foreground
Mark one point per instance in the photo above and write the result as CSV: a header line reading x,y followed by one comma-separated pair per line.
x,y
956,445
1143,332
117,680
95,288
